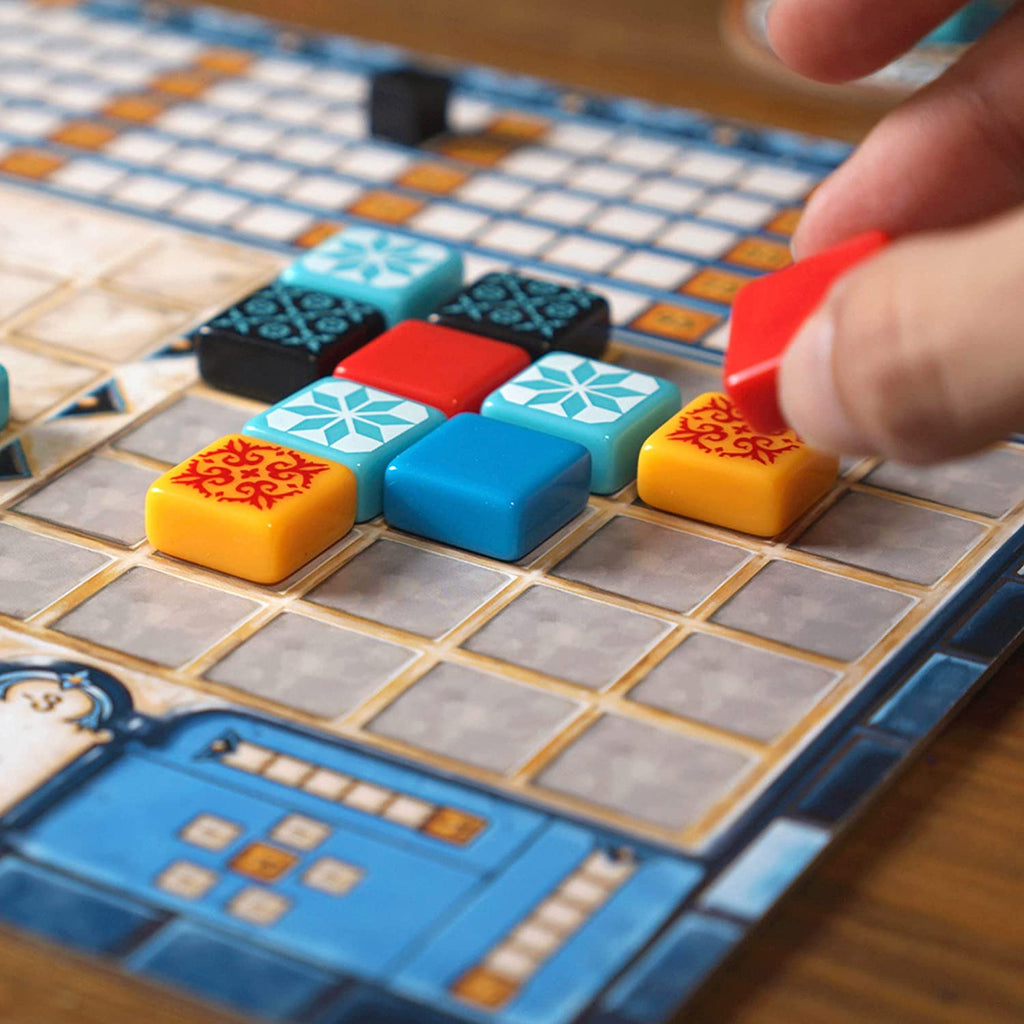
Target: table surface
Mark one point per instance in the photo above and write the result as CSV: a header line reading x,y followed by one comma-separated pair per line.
x,y
915,917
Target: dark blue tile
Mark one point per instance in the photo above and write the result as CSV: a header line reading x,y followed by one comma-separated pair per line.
x,y
926,698
243,978
366,1006
68,912
860,768
674,967
996,625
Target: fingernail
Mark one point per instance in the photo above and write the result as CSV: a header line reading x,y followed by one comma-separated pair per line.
x,y
808,394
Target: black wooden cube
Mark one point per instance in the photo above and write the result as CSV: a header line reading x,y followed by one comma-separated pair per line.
x,y
408,106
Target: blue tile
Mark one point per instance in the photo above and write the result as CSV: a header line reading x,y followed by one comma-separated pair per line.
x,y
404,277
564,986
673,969
858,770
927,697
486,486
67,911
765,869
996,625
347,422
609,410
241,977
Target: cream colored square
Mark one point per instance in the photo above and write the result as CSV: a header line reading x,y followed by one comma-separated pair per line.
x,y
103,325
259,906
511,963
287,770
330,785
608,871
248,757
37,382
365,797
186,880
558,916
408,811
332,876
20,289
537,940
210,832
583,893
300,832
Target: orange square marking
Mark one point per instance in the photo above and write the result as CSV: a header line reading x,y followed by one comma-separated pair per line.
x,y
84,135
760,254
386,207
454,826
785,223
481,150
31,163
715,285
263,863
436,179
484,988
182,83
225,60
676,322
140,108
526,129
318,233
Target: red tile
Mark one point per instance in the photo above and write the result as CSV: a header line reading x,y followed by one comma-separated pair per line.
x,y
768,312
454,371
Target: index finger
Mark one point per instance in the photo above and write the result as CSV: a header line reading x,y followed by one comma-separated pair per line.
x,y
836,40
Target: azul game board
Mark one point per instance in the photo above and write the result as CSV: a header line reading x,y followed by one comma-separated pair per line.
x,y
410,783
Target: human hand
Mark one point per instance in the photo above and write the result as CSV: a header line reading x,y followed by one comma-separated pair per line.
x,y
918,354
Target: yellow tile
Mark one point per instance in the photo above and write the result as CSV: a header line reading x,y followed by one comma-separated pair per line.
x,y
386,207
319,232
454,826
31,163
482,150
707,463
437,179
250,508
182,83
140,109
511,126
675,322
225,60
715,285
84,135
785,223
263,863
484,988
760,254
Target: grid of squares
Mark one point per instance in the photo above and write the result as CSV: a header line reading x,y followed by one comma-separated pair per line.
x,y
631,642
610,668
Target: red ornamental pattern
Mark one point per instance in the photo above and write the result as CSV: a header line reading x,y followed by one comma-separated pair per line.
x,y
249,473
717,428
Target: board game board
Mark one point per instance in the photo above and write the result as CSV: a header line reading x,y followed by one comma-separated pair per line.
x,y
410,783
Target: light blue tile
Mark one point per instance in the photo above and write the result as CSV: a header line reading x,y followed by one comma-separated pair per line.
x,y
760,875
487,486
360,427
404,277
677,964
609,410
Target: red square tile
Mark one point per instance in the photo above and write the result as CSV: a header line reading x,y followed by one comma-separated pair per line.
x,y
454,371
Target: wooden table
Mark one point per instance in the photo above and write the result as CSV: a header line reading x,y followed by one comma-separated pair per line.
x,y
918,916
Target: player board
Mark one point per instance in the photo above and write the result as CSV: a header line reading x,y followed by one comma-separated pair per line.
x,y
409,782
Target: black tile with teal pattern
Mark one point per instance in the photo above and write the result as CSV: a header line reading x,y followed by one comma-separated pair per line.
x,y
281,338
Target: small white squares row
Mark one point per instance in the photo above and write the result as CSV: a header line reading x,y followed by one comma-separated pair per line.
x,y
209,832
399,808
522,952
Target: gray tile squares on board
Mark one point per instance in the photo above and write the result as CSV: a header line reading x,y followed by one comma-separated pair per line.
x,y
645,772
313,667
652,563
180,430
408,588
891,537
101,497
475,717
574,638
155,616
35,571
991,483
813,610
734,686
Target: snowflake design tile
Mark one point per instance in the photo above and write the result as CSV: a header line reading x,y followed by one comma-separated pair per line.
x,y
281,337
347,422
535,314
609,409
402,276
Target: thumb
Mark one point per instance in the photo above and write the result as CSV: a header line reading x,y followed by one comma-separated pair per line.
x,y
918,354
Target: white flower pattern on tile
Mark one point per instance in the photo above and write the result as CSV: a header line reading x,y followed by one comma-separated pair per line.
x,y
579,389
